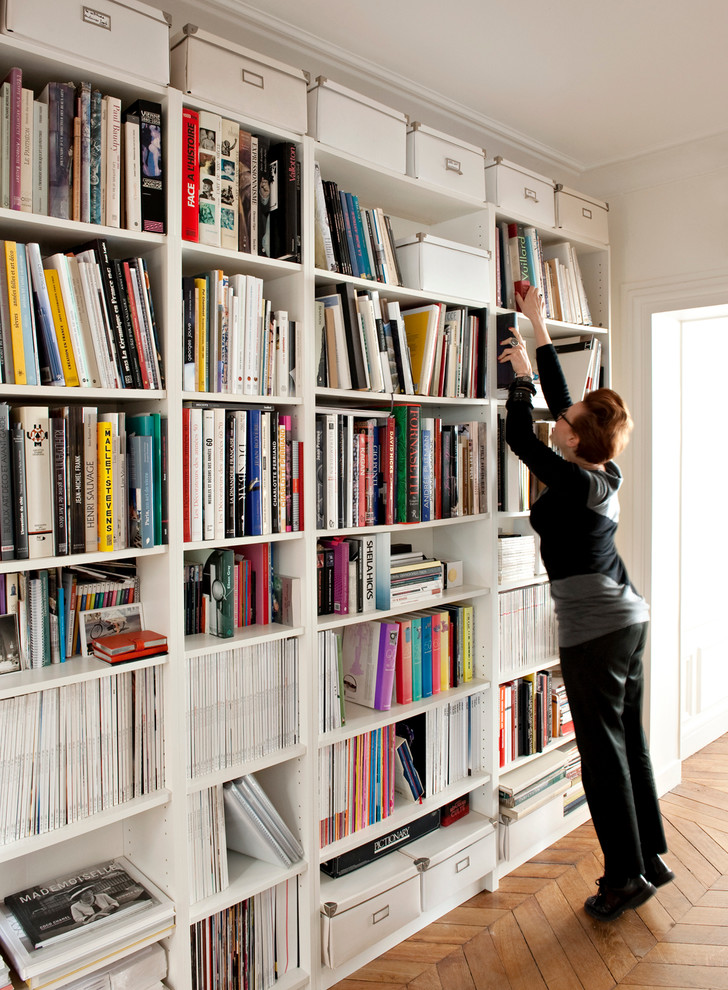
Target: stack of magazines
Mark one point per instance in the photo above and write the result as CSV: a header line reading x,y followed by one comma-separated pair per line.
x,y
79,922
254,827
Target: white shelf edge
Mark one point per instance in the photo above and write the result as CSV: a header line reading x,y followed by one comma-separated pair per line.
x,y
238,399
556,743
364,397
364,719
399,292
72,671
243,541
402,527
201,644
80,559
513,675
272,759
119,813
247,877
448,597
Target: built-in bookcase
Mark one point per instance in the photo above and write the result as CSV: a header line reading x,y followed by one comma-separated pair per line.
x,y
152,830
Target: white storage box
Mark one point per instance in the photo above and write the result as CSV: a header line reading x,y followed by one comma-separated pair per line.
x,y
228,75
511,187
432,264
445,161
580,215
519,839
122,34
353,123
453,858
366,906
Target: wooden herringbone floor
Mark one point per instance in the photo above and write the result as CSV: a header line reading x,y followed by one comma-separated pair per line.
x,y
533,933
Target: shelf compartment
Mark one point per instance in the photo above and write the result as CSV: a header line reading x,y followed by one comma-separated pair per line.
x,y
73,671
200,644
399,293
53,232
403,814
531,668
360,719
119,813
247,877
554,744
389,399
448,597
204,257
272,759
402,527
242,541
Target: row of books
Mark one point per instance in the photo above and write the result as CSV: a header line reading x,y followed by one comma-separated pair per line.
x,y
73,153
207,863
58,930
377,469
73,751
518,488
531,785
234,341
77,319
353,574
516,557
367,343
231,588
446,743
528,631
403,659
575,797
251,944
240,191
350,239
522,259
533,711
242,473
79,479
242,704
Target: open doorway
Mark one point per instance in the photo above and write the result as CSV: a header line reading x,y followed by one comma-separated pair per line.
x,y
689,524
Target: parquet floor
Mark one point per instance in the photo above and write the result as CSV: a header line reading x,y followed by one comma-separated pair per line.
x,y
532,933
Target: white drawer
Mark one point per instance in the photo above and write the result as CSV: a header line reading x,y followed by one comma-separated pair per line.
x,y
344,119
452,858
581,216
122,34
525,193
433,264
364,907
251,85
445,161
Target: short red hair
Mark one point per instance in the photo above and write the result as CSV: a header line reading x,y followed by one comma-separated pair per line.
x,y
603,426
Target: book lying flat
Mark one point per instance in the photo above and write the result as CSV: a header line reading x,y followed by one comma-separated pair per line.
x,y
254,827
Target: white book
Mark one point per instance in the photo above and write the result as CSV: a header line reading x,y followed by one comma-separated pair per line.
x,y
340,356
210,125
331,471
196,467
237,333
324,248
59,263
208,475
229,133
253,325
265,473
26,151
281,380
92,344
366,316
132,175
113,161
99,338
360,661
38,478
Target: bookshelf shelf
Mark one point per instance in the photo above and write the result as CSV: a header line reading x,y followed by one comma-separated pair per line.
x,y
201,644
404,813
399,293
230,399
273,759
247,877
557,743
53,233
364,399
244,541
448,597
47,394
360,719
529,669
404,527
199,257
75,670
523,582
82,559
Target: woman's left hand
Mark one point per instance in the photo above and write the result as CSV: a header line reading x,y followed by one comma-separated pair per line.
x,y
515,352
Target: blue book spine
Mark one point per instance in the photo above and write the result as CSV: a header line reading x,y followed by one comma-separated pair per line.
x,y
349,234
95,191
426,656
417,658
61,606
360,242
26,317
149,493
44,316
254,501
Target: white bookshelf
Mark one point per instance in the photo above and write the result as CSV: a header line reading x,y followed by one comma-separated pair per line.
x,y
152,831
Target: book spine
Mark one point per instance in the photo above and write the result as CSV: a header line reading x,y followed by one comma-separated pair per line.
x,y
38,478
190,176
15,79
105,498
60,504
229,189
153,204
7,529
26,151
132,179
16,323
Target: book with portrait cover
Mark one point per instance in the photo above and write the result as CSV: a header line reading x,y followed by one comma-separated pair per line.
x,y
152,165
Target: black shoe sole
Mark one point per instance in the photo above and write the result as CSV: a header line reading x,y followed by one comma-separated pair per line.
x,y
634,902
662,879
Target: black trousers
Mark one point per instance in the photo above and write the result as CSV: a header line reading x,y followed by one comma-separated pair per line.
x,y
604,683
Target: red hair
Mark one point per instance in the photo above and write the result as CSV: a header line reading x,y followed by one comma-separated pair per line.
x,y
603,426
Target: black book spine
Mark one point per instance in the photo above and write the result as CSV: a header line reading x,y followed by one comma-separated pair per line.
x,y
75,442
164,458
60,461
336,225
284,222
240,475
328,582
390,235
152,165
7,528
188,316
230,491
357,367
342,429
320,493
20,503
127,325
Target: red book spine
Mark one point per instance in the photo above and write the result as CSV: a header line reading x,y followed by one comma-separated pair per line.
x,y
389,470
190,177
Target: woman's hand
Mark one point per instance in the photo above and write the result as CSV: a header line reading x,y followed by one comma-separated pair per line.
x,y
533,307
515,352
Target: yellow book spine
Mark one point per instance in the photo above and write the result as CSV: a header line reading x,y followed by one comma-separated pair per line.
x,y
468,620
201,334
105,486
444,651
60,322
16,323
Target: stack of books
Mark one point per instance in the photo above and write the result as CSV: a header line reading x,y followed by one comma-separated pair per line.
x,y
77,319
61,927
532,785
254,827
353,574
516,557
75,155
332,708
208,862
563,721
235,342
241,192
368,343
242,473
414,577
528,632
375,469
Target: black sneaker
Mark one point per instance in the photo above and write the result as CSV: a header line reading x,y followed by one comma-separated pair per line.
x,y
658,872
611,902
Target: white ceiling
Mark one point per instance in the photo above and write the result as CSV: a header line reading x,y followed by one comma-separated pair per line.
x,y
585,82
